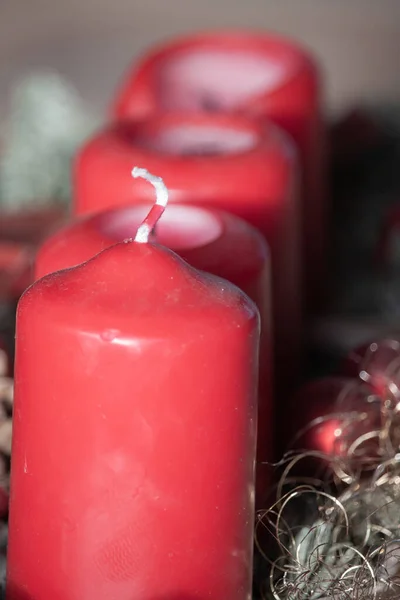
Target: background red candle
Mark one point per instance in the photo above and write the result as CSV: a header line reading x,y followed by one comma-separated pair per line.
x,y
225,162
250,73
134,439
209,240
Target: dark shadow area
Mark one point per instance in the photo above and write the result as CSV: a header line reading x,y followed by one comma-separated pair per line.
x,y
13,593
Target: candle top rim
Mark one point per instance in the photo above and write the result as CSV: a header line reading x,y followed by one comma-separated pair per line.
x,y
120,139
146,75
162,283
92,232
117,223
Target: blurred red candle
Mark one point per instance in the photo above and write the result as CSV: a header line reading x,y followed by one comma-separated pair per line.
x,y
230,163
134,437
244,72
209,240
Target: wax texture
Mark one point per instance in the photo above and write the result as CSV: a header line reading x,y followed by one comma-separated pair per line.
x,y
134,433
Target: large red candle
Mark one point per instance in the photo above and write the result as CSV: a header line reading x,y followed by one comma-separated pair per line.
x,y
225,162
209,240
134,432
246,72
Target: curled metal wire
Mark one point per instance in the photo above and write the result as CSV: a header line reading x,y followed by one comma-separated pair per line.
x,y
6,404
337,536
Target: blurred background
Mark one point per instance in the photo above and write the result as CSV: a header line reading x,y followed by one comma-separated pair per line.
x,y
91,42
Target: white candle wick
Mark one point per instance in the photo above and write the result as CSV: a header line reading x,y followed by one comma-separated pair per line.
x,y
145,229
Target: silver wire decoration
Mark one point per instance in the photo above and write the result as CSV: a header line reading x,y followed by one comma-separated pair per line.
x,y
336,535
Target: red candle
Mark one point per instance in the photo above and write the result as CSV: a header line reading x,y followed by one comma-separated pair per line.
x,y
249,73
209,240
134,433
223,162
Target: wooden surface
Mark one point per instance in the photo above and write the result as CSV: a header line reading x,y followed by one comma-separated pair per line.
x,y
92,41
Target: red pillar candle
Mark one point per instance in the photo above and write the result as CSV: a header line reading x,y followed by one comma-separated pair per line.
x,y
248,73
225,162
134,434
209,240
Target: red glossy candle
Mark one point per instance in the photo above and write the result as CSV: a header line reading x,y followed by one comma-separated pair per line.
x,y
246,72
138,459
225,162
209,240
